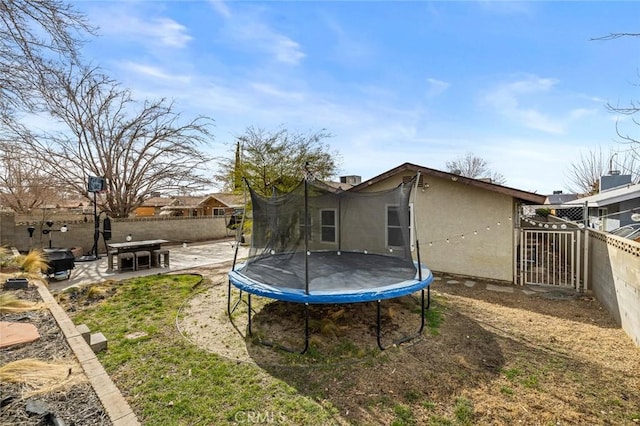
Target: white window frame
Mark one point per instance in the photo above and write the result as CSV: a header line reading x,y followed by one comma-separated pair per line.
x,y
411,227
301,227
334,226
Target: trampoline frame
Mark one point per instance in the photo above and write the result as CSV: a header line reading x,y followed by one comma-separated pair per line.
x,y
231,309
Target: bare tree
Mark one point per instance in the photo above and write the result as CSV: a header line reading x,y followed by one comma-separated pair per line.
x,y
584,174
23,184
140,148
35,35
474,167
631,110
267,159
627,139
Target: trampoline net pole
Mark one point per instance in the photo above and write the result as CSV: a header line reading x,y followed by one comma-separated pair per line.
x,y
306,235
244,214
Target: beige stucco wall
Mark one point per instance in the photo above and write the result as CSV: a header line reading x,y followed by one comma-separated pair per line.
x,y
80,234
445,209
614,278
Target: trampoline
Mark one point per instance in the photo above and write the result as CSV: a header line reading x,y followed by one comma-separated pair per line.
x,y
352,248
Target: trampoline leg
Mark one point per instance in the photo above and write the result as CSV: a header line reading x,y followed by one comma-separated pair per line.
x,y
306,328
422,309
378,333
278,346
406,338
249,314
230,309
229,299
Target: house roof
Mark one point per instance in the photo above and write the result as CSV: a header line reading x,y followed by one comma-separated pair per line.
x,y
612,196
560,198
231,200
156,201
73,204
529,197
194,202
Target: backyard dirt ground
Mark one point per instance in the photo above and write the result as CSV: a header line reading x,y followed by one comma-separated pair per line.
x,y
485,357
531,358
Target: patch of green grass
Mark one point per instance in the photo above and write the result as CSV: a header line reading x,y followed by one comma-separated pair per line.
x,y
463,411
506,390
531,382
439,421
614,402
429,405
168,380
512,373
412,396
404,416
434,318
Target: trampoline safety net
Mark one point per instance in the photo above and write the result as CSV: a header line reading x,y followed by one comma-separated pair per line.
x,y
316,239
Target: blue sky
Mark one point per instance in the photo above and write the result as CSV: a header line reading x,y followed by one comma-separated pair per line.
x,y
520,84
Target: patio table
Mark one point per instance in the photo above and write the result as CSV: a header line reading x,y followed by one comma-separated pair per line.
x,y
133,246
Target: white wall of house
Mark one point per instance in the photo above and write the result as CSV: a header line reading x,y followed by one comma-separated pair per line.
x,y
446,209
614,278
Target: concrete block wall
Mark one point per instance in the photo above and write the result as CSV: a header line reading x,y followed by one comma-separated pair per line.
x,y
7,227
80,233
614,278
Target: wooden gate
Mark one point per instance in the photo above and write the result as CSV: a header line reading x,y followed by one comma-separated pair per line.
x,y
550,257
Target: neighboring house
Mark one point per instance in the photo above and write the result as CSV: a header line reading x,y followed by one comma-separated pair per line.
x,y
611,208
152,206
558,199
464,226
346,182
219,204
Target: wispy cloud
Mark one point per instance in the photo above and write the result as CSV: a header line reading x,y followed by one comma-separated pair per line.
x,y
271,90
156,31
154,72
346,48
582,112
507,7
169,32
258,35
253,31
507,99
221,7
436,87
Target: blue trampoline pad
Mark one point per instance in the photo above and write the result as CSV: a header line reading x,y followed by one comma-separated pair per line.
x,y
334,277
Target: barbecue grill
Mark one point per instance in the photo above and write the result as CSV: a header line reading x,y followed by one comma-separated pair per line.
x,y
61,262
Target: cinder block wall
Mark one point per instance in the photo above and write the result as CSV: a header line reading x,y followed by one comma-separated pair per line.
x,y
614,278
80,233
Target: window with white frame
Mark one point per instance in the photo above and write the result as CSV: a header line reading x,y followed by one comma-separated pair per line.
x,y
301,226
394,228
328,226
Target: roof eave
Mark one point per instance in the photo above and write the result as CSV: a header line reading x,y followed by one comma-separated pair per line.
x,y
529,197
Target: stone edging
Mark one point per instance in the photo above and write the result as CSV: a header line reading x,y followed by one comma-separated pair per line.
x,y
116,407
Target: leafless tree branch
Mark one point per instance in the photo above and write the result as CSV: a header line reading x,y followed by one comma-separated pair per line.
x,y
474,167
140,148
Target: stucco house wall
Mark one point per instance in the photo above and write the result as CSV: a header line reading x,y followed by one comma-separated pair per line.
x,y
614,277
446,207
448,210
